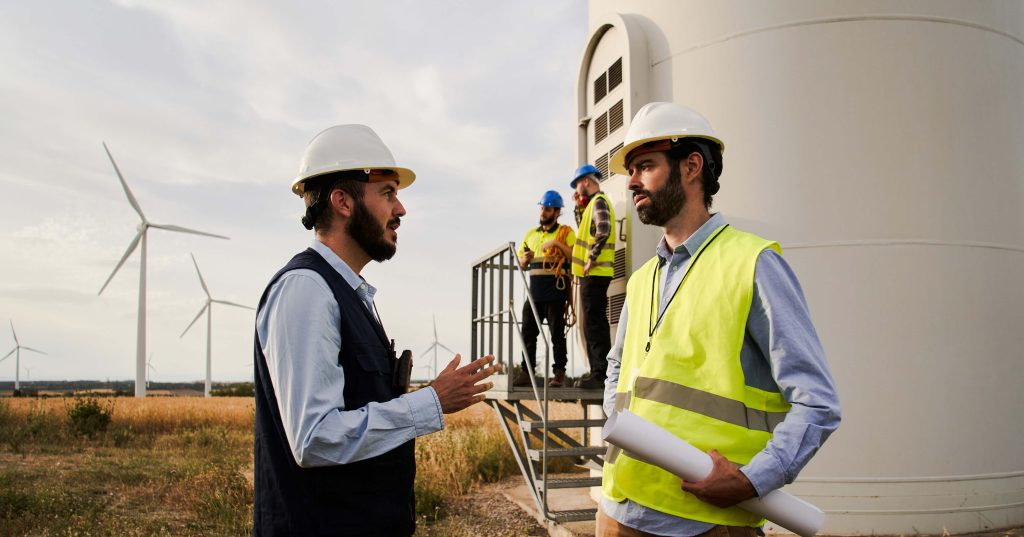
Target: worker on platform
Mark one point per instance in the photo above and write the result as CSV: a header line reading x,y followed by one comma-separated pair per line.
x,y
715,344
593,258
545,251
335,428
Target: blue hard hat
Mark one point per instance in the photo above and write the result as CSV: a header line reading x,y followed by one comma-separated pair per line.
x,y
583,171
551,199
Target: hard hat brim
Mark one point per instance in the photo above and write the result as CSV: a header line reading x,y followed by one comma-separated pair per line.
x,y
405,177
617,164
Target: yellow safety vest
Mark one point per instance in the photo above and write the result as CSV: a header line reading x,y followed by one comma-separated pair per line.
x,y
604,265
534,239
691,381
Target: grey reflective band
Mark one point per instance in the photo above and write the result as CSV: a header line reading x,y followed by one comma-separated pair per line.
x,y
580,262
586,245
622,400
707,404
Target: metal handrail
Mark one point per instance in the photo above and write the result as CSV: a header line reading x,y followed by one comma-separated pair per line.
x,y
495,260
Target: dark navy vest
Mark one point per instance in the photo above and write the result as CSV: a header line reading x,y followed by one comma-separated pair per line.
x,y
365,498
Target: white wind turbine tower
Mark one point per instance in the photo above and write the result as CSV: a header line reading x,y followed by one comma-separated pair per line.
x,y
143,227
208,308
433,347
16,351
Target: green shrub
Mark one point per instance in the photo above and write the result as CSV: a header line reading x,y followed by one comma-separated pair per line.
x,y
244,389
89,417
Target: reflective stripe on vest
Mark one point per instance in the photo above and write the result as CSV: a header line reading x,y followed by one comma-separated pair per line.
x,y
603,265
536,237
691,382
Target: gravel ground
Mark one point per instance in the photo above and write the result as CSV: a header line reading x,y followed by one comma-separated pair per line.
x,y
484,513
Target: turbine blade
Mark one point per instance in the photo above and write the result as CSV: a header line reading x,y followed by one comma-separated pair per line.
x,y
435,328
172,227
127,191
33,350
13,332
128,252
198,315
201,281
430,348
9,354
446,348
225,302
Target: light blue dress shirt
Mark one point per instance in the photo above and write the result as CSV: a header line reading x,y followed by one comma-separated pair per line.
x,y
781,353
298,332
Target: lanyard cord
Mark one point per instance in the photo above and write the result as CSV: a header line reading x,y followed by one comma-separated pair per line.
x,y
652,326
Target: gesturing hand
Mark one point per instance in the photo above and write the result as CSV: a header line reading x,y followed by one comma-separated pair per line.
x,y
725,486
457,387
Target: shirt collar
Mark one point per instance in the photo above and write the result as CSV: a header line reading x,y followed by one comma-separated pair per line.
x,y
692,244
339,265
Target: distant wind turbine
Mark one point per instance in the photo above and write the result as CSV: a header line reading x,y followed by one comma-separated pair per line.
x,y
143,227
149,369
433,347
208,308
16,351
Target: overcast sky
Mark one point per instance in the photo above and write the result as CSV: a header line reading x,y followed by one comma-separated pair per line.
x,y
206,107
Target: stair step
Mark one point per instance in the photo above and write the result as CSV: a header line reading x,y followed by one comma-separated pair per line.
x,y
574,482
574,515
535,454
529,426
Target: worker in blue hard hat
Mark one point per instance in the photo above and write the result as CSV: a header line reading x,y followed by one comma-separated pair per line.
x,y
545,252
593,258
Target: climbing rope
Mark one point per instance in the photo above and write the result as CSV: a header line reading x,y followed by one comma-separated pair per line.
x,y
555,262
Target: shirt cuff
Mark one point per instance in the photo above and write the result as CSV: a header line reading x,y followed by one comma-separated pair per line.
x,y
426,411
764,472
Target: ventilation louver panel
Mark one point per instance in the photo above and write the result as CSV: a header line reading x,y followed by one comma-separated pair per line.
x,y
614,150
601,87
615,303
615,117
615,74
602,164
601,128
620,264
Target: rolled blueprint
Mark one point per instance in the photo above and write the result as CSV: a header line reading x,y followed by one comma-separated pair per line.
x,y
649,443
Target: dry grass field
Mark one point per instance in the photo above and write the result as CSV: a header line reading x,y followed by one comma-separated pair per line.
x,y
183,467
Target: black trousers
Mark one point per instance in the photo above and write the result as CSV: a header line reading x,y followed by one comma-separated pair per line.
x,y
554,313
594,295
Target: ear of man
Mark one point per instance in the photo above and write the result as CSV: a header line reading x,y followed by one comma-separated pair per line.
x,y
691,168
342,203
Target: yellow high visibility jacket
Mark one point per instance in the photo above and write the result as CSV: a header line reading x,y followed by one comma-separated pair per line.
x,y
691,380
603,266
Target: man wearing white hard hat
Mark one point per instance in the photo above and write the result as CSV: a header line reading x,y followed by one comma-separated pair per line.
x,y
335,428
715,344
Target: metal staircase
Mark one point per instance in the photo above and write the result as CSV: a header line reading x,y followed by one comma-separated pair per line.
x,y
523,412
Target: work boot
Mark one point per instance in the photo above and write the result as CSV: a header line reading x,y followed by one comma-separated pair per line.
x,y
591,381
559,379
522,378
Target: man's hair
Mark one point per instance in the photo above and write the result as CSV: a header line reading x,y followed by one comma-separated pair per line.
x,y
317,196
711,170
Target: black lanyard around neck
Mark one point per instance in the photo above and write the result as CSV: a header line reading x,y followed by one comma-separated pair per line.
x,y
652,326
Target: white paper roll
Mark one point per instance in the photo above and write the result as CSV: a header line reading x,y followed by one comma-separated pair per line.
x,y
649,443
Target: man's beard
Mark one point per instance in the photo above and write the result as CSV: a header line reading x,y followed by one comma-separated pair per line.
x,y
369,234
664,203
547,222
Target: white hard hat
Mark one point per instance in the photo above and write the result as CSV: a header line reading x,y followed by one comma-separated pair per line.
x,y
349,147
662,121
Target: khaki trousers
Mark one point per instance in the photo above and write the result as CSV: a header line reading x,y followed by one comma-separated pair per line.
x,y
609,527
